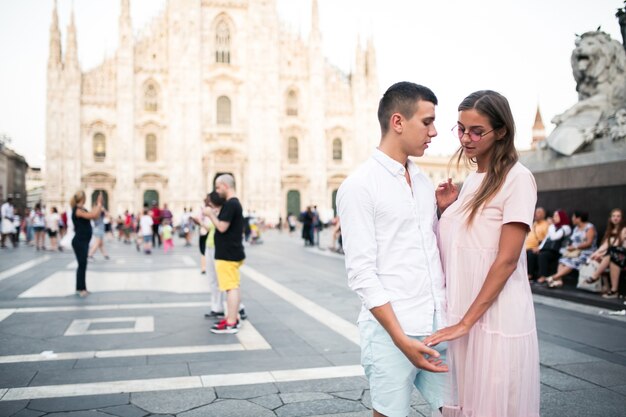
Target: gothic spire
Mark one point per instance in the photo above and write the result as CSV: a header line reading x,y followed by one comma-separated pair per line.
x,y
539,130
315,21
370,52
125,25
54,59
71,50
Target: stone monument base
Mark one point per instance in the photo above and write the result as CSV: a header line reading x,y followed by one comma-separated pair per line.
x,y
593,180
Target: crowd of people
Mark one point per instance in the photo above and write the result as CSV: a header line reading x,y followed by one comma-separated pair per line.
x,y
559,245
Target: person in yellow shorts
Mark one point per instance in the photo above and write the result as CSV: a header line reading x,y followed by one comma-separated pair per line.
x,y
229,253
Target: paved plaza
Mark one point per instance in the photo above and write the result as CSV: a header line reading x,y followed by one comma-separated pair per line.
x,y
139,345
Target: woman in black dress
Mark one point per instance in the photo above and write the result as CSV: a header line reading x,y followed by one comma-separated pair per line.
x,y
82,235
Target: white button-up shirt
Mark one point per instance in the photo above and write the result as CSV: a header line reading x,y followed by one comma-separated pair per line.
x,y
390,243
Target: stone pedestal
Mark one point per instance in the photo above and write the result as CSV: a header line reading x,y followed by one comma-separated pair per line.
x,y
593,180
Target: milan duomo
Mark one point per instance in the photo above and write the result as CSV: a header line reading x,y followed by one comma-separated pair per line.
x,y
210,87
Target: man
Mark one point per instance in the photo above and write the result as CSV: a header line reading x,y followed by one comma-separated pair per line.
x,y
536,235
155,213
229,253
388,221
7,222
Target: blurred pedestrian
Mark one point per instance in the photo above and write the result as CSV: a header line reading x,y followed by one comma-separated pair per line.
x,y
81,218
39,225
229,253
98,236
52,226
167,235
146,231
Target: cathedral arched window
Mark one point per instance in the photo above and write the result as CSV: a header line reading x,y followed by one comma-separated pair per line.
x,y
151,147
292,149
292,103
223,111
99,147
151,98
337,150
222,43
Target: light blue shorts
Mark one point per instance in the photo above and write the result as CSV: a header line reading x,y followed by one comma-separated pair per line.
x,y
392,376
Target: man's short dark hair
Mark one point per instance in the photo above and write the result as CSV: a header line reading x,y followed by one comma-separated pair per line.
x,y
402,98
216,199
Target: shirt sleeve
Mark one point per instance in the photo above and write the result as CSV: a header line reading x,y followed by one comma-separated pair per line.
x,y
357,216
227,213
520,199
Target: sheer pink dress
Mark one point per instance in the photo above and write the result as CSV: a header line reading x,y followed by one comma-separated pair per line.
x,y
495,368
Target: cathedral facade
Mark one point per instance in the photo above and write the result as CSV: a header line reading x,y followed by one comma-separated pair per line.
x,y
210,87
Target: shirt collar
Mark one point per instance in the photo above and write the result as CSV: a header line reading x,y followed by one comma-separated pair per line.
x,y
393,166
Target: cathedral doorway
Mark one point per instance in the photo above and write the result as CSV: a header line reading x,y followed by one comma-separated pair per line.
x,y
293,202
105,198
334,198
150,196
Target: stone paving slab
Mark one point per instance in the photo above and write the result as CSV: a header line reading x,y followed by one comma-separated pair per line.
x,y
563,381
271,401
28,413
589,403
76,376
8,408
602,373
242,392
173,402
50,405
551,354
229,408
126,410
310,408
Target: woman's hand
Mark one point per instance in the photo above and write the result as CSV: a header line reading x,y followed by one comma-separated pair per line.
x,y
99,199
446,194
447,333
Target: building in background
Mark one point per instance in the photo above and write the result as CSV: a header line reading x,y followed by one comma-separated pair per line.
x,y
12,177
210,87
539,131
34,187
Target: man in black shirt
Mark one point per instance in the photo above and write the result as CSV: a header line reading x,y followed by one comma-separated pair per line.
x,y
229,253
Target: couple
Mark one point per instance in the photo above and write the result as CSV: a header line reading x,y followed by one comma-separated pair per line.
x,y
446,304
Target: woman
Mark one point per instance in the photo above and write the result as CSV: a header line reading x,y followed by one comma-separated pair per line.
x,y
39,226
99,230
217,297
614,236
52,225
493,353
550,247
582,245
81,218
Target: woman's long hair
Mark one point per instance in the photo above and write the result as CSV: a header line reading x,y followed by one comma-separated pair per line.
x,y
77,198
615,230
495,107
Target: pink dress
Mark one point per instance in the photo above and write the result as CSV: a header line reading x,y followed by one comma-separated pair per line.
x,y
495,368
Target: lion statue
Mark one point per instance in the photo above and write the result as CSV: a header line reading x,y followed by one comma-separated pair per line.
x,y
599,67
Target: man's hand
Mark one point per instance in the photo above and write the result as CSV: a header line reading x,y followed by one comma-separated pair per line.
x,y
446,334
421,356
446,194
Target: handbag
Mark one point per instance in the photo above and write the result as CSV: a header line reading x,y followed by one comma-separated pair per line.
x,y
66,241
585,272
552,245
572,253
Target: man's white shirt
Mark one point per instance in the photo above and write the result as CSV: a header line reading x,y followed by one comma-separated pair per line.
x,y
390,244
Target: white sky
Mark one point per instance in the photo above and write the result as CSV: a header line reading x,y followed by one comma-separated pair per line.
x,y
520,48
